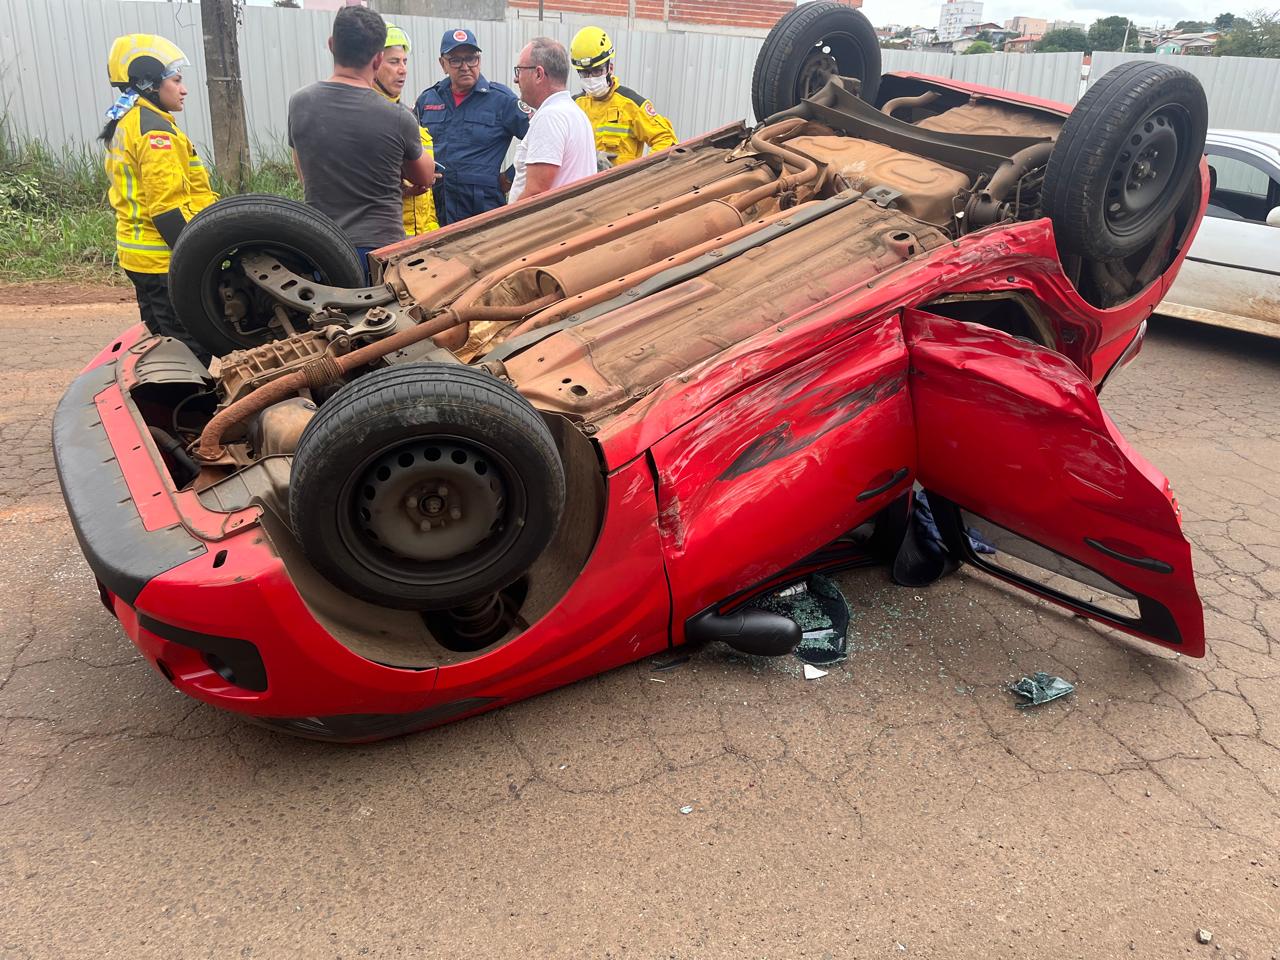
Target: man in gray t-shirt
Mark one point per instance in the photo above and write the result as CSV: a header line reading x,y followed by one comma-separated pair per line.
x,y
352,148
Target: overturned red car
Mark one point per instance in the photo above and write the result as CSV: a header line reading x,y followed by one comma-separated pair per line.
x,y
592,427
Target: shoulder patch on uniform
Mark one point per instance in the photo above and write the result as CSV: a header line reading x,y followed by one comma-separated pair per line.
x,y
151,122
524,108
631,95
648,108
159,141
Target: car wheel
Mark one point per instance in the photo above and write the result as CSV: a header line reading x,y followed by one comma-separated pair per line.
x,y
425,486
1124,159
205,275
807,47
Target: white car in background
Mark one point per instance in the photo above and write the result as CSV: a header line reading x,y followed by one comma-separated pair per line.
x,y
1231,277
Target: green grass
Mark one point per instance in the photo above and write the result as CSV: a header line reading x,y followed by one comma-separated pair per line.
x,y
56,223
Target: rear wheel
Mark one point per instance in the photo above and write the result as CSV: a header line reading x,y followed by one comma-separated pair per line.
x,y
427,486
806,48
214,301
1124,160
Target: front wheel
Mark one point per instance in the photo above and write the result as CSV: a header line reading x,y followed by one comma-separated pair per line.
x,y
211,296
425,487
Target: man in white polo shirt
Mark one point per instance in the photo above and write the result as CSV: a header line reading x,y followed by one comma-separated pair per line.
x,y
560,146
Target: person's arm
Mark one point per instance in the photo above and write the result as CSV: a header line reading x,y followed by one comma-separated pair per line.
x,y
419,166
297,166
654,128
538,178
515,120
420,172
544,153
162,184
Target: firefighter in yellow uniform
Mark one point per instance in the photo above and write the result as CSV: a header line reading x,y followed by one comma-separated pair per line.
x,y
624,122
419,211
158,181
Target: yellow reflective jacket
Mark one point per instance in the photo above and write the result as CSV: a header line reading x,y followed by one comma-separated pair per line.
x,y
624,122
419,211
154,170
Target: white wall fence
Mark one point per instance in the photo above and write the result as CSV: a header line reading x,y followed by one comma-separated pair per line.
x,y
1243,92
53,67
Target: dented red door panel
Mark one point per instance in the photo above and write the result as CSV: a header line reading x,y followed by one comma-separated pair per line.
x,y
1011,434
783,467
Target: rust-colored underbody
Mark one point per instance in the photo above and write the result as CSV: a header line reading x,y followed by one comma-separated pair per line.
x,y
590,298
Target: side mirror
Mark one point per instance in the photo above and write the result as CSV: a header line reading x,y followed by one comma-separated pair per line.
x,y
1273,218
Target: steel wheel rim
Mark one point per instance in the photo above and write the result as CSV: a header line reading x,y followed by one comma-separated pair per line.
x,y
485,531
1142,172
227,262
823,61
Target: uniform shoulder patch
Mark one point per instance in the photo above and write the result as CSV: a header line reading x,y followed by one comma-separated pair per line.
x,y
524,108
631,95
159,141
647,107
151,122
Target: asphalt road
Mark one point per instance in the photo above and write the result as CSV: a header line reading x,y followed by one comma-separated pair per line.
x,y
898,806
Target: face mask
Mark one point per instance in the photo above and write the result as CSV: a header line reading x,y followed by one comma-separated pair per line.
x,y
596,86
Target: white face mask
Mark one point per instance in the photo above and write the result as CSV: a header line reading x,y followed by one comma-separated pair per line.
x,y
596,86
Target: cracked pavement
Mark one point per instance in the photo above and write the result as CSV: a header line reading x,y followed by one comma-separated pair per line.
x,y
898,806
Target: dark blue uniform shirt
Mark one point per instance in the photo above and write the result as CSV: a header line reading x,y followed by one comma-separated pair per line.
x,y
471,141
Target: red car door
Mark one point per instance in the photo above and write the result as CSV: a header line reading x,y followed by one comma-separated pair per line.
x,y
783,467
1032,482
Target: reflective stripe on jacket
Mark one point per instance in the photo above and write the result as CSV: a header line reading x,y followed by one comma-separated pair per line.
x,y
419,211
624,122
154,170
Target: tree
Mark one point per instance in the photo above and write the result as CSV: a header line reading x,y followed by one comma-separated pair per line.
x,y
220,21
1108,34
1063,41
903,34
1258,36
1190,26
1223,22
979,46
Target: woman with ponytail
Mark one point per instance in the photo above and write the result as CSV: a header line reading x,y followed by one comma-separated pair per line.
x,y
158,181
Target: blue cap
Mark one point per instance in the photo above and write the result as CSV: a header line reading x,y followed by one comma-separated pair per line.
x,y
457,38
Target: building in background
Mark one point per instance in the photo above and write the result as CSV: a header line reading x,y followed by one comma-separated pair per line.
x,y
1067,25
1021,44
921,37
1189,44
955,15
1027,26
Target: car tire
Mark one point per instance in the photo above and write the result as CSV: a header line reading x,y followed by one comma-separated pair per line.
x,y
425,487
1124,160
808,45
305,239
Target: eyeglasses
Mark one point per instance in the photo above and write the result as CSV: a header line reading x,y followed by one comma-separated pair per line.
x,y
456,62
592,71
518,68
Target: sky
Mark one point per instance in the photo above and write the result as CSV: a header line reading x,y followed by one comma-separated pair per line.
x,y
1142,12
1146,13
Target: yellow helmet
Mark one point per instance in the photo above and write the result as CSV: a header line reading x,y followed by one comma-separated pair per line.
x,y
591,47
396,37
143,60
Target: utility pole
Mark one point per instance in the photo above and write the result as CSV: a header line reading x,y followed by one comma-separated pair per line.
x,y
226,96
1124,44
